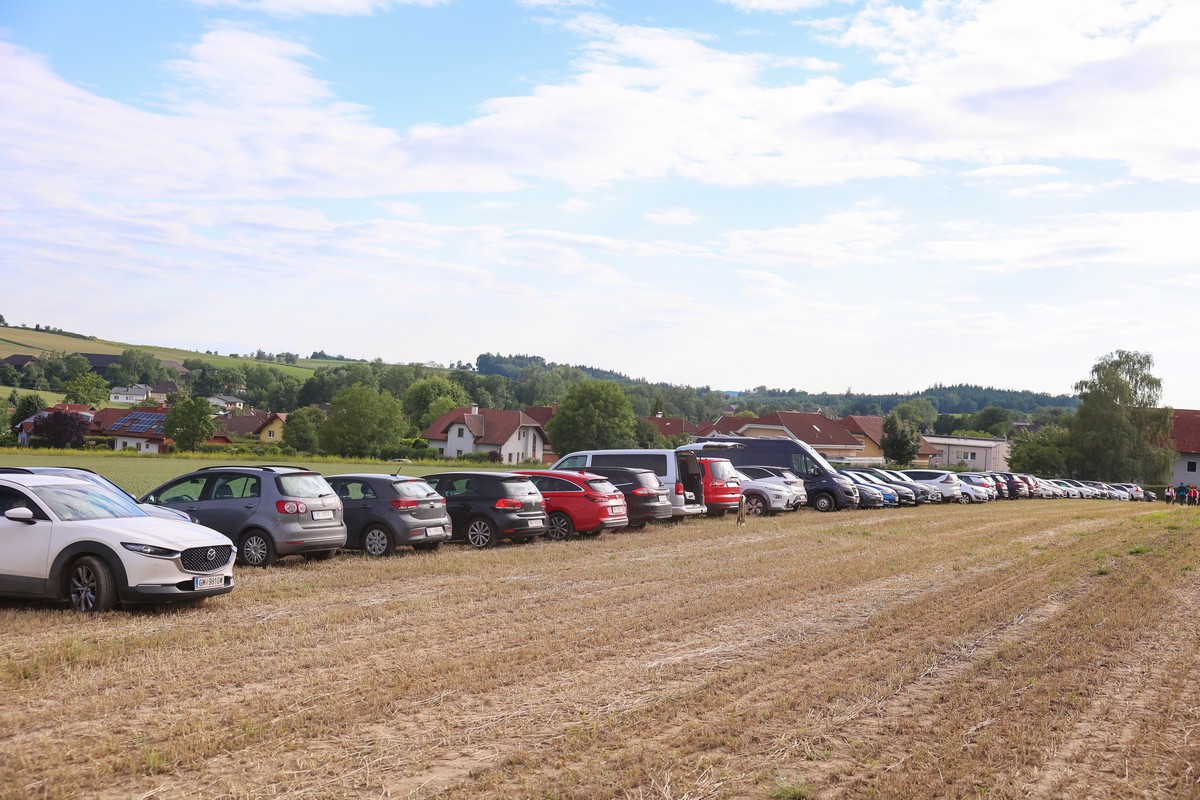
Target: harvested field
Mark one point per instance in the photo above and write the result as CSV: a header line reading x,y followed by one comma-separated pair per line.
x,y
1024,649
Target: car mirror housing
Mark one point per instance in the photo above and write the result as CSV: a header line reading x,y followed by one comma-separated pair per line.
x,y
20,514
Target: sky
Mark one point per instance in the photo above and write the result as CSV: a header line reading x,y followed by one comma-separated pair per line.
x,y
825,195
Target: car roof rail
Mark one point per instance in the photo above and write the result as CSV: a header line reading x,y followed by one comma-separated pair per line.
x,y
283,466
16,471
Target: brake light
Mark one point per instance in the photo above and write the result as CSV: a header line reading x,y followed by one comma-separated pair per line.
x,y
290,507
949,479
679,489
404,503
507,504
645,491
717,484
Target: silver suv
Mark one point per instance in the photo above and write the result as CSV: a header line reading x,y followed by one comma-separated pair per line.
x,y
267,511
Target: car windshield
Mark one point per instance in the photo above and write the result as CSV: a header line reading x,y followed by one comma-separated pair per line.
x,y
72,503
304,484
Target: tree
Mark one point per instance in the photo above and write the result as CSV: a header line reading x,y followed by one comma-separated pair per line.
x,y
920,413
189,423
363,422
646,434
419,398
993,419
88,389
1046,452
592,415
1119,433
136,366
302,429
900,442
26,407
9,376
61,428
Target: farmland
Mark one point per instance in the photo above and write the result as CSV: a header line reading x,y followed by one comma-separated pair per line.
x,y
1029,648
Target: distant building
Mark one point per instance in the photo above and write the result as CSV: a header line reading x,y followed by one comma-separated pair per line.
x,y
987,455
138,393
513,434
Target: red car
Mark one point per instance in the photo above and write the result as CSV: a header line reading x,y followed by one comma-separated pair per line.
x,y
578,502
722,490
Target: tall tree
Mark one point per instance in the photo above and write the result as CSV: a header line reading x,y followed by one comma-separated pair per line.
x,y
593,414
62,428
27,406
418,400
88,389
363,421
1119,433
189,423
302,429
136,366
900,442
920,413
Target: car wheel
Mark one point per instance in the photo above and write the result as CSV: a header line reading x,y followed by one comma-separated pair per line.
x,y
755,506
377,541
91,586
824,502
428,547
560,527
964,499
481,533
257,549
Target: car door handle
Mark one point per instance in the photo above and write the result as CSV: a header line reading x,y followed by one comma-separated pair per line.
x,y
249,505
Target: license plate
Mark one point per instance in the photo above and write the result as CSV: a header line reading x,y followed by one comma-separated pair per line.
x,y
323,514
535,523
435,531
617,509
211,582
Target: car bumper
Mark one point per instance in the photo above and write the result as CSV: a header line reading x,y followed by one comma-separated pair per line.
x,y
692,510
182,590
424,536
311,542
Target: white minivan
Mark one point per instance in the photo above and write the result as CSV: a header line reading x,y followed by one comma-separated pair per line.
x,y
679,471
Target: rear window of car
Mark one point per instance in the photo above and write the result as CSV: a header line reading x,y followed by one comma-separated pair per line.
x,y
649,479
518,487
652,461
413,490
303,484
601,485
721,470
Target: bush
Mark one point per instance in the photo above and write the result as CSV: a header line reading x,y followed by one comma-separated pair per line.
x,y
479,457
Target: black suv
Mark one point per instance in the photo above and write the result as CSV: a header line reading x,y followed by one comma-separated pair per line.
x,y
382,511
646,498
267,511
485,507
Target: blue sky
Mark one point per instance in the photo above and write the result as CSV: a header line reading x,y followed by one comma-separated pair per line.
x,y
798,193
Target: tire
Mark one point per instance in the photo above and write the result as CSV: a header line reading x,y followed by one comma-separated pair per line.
x,y
481,533
91,588
427,547
257,549
824,502
965,499
377,541
560,527
756,506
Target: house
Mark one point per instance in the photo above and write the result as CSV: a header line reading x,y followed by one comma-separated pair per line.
x,y
978,453
224,402
513,434
824,435
140,429
1185,432
241,425
724,425
869,432
271,428
160,392
542,415
18,362
24,428
100,362
138,393
174,366
670,426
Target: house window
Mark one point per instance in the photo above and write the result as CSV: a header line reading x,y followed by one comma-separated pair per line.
x,y
1191,466
461,433
457,453
270,434
510,458
971,456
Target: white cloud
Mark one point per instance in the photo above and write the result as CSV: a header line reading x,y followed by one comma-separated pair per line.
x,y
672,216
862,235
1014,171
776,5
296,8
576,205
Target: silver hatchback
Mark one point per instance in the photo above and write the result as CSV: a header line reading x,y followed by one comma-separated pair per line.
x,y
267,511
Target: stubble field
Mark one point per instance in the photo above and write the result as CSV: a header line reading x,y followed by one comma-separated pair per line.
x,y
1023,649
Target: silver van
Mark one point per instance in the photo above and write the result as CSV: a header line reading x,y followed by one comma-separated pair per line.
x,y
679,471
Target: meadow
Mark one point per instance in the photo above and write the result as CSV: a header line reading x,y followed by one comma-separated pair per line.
x,y
1017,649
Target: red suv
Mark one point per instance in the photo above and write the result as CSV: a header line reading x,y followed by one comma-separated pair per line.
x,y
722,490
578,502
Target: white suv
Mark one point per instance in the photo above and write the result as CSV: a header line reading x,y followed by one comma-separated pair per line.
x,y
67,539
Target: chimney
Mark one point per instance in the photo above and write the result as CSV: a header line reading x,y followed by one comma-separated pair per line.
x,y
474,408
658,415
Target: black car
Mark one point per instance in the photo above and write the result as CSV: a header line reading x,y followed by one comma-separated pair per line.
x,y
485,507
383,511
646,497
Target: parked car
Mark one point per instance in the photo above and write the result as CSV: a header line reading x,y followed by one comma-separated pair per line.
x,y
1001,484
79,473
826,489
921,492
722,489
485,507
384,511
769,490
945,481
266,511
578,502
1135,492
905,495
645,494
870,497
678,470
1072,491
973,494
783,476
982,481
66,539
1017,488
1103,490
890,494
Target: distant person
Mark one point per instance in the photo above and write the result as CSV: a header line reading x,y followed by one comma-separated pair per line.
x,y
1169,494
1181,493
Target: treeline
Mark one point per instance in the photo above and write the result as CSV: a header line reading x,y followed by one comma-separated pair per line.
x,y
957,399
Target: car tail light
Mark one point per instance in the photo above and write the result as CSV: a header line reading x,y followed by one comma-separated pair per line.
x,y
718,484
949,479
645,491
679,489
290,507
405,503
507,504
598,498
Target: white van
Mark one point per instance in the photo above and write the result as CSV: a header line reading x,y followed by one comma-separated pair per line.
x,y
679,471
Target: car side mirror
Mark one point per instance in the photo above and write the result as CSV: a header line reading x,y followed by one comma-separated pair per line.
x,y
20,514
151,499
816,472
